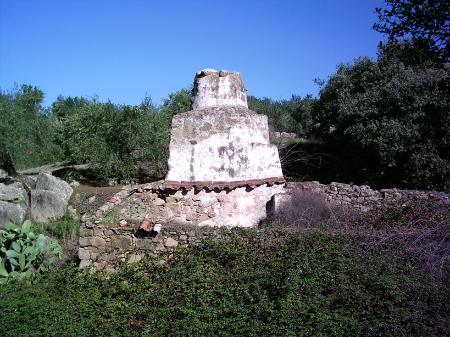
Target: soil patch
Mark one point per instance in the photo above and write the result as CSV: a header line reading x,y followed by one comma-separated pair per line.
x,y
88,198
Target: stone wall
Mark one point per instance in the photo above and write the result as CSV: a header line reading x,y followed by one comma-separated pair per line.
x,y
106,246
115,234
111,236
361,197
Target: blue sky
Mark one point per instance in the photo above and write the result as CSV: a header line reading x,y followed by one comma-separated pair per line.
x,y
124,50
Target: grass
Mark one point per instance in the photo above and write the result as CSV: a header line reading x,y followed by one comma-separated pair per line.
x,y
112,217
275,282
66,229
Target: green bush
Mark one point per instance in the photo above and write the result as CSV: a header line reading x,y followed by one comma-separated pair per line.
x,y
121,142
293,115
23,254
64,227
27,132
389,119
268,284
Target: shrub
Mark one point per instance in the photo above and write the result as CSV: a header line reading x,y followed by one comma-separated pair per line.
x,y
179,101
290,285
64,227
387,121
293,115
121,142
23,254
27,132
303,209
416,231
306,209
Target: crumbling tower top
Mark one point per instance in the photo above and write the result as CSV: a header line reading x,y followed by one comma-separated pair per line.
x,y
213,88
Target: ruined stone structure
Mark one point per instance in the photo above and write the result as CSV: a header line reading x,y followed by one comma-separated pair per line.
x,y
110,237
223,171
213,88
221,143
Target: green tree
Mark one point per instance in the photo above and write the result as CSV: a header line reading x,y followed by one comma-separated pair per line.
x,y
122,142
27,132
292,115
388,122
417,20
63,107
179,101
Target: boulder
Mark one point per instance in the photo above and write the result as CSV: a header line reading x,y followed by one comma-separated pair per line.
x,y
170,243
3,174
48,182
13,203
14,212
49,199
12,193
47,206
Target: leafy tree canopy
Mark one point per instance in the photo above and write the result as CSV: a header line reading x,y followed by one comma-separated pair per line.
x,y
388,120
417,19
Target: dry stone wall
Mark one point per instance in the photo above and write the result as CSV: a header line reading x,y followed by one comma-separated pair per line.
x,y
360,197
185,216
107,246
111,236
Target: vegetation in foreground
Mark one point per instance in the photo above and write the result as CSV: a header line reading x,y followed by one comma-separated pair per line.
x,y
278,283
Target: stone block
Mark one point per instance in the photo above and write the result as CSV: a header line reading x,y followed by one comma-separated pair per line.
x,y
121,242
98,242
160,248
146,244
170,243
85,264
85,241
84,254
133,258
159,202
86,231
98,231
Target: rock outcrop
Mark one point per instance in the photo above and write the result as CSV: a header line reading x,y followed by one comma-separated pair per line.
x,y
47,199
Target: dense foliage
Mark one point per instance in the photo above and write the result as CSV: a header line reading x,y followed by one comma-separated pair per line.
x,y
389,119
25,254
26,131
122,142
417,20
293,115
282,285
179,101
117,141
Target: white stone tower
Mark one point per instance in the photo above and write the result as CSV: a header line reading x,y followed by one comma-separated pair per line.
x,y
220,142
